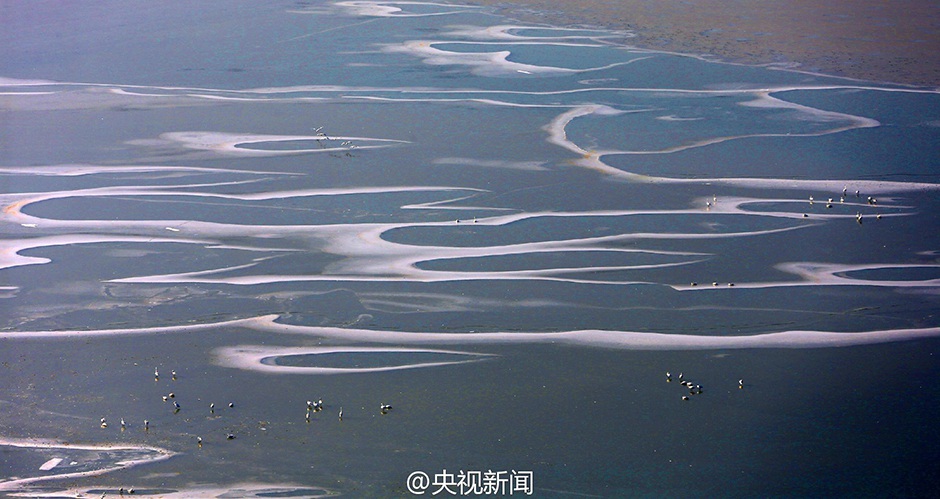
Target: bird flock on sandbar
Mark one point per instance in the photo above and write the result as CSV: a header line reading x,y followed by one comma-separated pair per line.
x,y
871,201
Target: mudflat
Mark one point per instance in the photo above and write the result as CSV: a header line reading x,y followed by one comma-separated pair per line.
x,y
896,42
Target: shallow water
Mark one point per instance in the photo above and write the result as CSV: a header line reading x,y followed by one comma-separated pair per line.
x,y
507,233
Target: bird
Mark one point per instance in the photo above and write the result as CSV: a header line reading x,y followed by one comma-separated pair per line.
x,y
171,395
173,375
340,413
230,436
231,404
212,407
384,408
668,377
156,373
146,425
199,441
740,383
123,424
685,397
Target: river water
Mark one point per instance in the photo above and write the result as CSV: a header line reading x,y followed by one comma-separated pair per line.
x,y
507,233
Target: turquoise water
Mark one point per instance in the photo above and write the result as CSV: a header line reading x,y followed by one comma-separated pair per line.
x,y
507,233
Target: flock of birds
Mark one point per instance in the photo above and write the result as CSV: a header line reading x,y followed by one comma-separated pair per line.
x,y
312,407
829,202
694,389
858,215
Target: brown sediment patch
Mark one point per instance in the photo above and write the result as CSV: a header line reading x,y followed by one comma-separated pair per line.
x,y
873,40
14,208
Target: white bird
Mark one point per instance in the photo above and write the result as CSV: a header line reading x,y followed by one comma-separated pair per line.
x,y
340,413
146,424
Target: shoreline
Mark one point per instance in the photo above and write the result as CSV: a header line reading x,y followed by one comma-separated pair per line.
x,y
864,39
